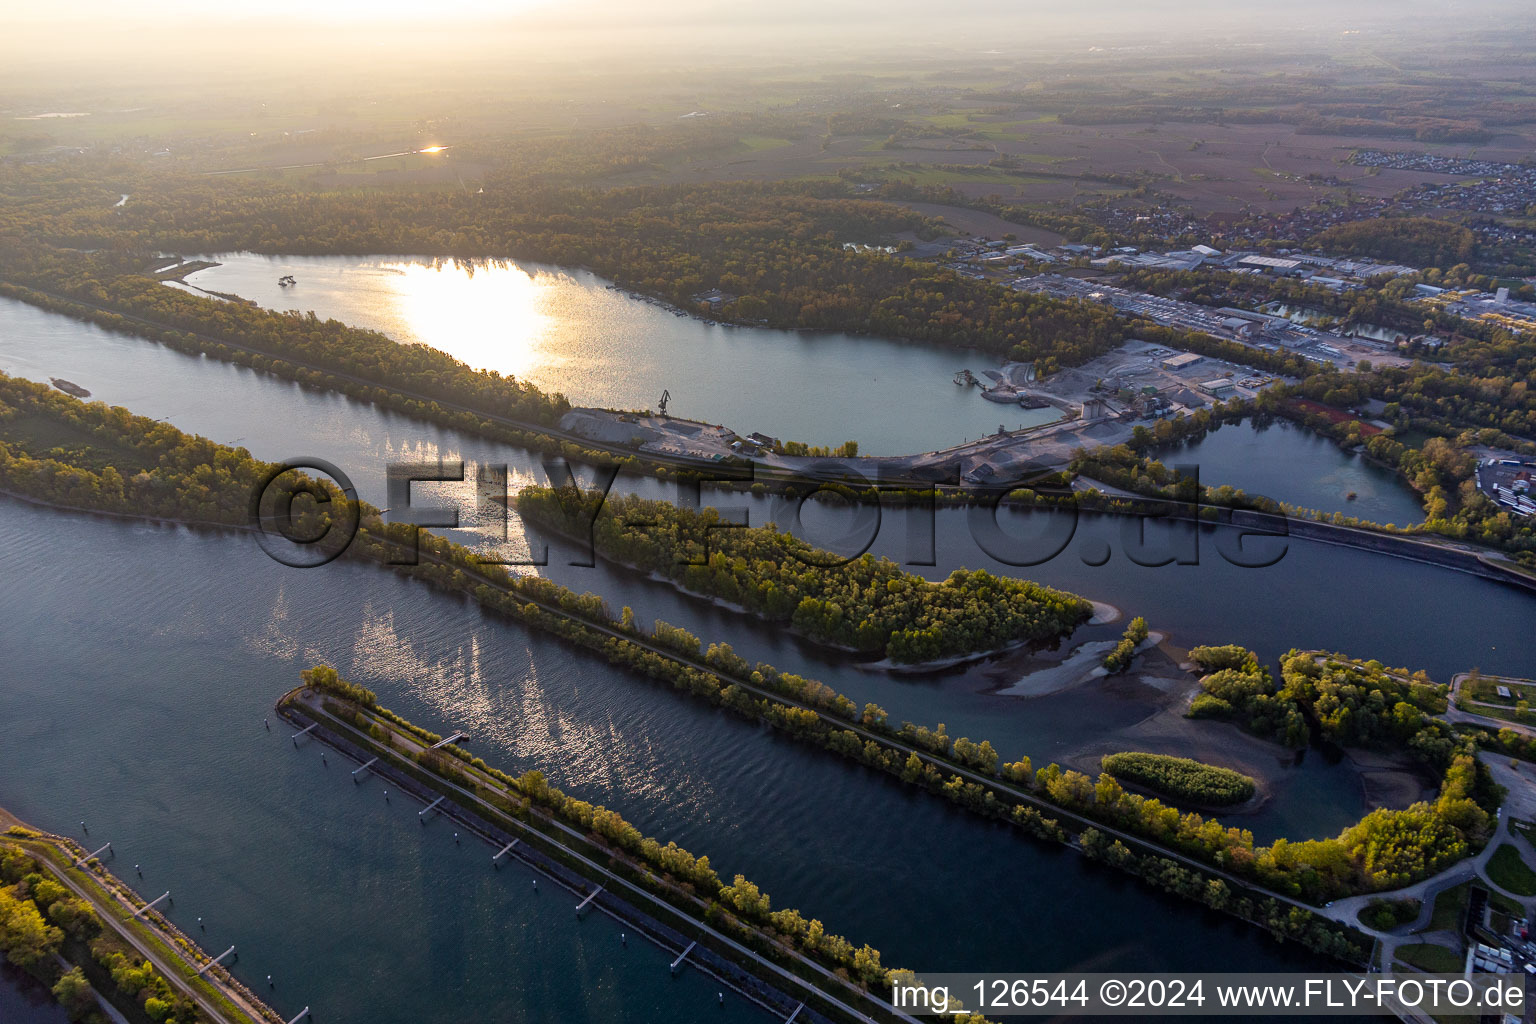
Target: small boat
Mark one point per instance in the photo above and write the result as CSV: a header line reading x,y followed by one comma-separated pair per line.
x,y
69,387
286,280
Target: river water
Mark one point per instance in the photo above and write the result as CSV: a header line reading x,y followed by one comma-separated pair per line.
x,y
568,331
364,914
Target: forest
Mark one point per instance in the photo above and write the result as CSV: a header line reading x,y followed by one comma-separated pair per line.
x,y
1355,703
779,247
1416,241
865,604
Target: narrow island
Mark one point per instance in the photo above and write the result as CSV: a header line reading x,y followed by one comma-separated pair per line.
x,y
129,466
786,962
867,605
1181,778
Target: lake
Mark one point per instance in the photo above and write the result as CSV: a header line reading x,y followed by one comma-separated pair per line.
x,y
359,911
1289,463
569,331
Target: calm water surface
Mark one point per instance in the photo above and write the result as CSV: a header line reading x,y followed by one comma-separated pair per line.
x,y
187,639
1289,463
1314,596
24,1000
365,914
568,331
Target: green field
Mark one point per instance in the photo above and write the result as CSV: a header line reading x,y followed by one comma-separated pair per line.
x,y
1450,905
758,143
1507,870
1429,957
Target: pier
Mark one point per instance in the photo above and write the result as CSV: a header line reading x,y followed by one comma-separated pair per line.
x,y
302,731
91,856
216,959
302,1014
683,955
445,740
146,908
358,771
566,839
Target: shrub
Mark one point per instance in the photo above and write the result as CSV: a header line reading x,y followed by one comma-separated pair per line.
x,y
1181,778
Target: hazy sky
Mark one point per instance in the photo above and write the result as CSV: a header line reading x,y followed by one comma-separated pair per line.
x,y
67,37
1258,12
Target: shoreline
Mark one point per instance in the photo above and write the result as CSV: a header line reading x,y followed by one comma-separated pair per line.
x,y
168,944
295,708
884,664
1395,545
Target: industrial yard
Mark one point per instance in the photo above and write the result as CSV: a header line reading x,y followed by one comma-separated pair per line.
x,y
1256,330
1101,403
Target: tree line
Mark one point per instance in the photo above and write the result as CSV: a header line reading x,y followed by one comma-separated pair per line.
x,y
716,674
866,604
41,923
779,247
1180,777
742,898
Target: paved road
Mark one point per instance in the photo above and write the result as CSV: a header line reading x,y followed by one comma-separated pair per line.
x,y
1461,714
156,952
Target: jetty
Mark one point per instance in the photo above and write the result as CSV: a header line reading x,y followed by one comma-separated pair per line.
x,y
214,961
456,737
683,956
176,956
671,917
92,855
146,908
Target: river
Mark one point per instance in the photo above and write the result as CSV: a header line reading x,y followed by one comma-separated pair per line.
x,y
357,910
364,914
1317,595
568,331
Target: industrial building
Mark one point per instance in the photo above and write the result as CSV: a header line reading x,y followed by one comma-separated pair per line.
x,y
1270,264
1180,361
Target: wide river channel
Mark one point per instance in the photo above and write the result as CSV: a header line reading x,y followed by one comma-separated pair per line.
x,y
141,661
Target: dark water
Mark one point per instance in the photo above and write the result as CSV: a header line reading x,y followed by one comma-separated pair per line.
x,y
142,660
1314,596
1288,463
25,1000
186,639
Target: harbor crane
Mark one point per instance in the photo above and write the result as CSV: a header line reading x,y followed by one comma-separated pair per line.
x,y
666,396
